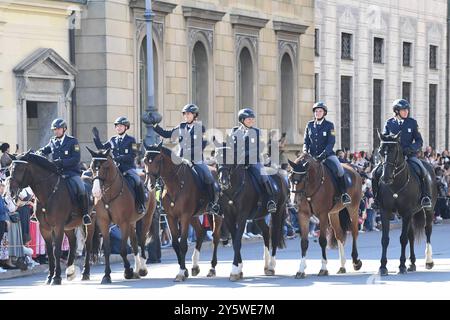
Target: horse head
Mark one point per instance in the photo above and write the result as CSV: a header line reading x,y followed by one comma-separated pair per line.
x,y
225,159
101,165
299,170
20,174
153,159
391,154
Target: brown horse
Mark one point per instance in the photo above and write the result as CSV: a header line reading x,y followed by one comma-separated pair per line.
x,y
183,201
315,194
115,203
56,212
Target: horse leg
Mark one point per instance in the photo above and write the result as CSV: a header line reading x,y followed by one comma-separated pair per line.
x,y
304,230
339,234
70,270
139,265
174,231
429,264
59,235
323,243
103,224
90,229
47,235
200,234
406,224
183,273
269,270
236,268
216,240
126,233
384,241
412,255
357,264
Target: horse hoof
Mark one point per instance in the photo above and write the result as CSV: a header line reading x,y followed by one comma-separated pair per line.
x,y
402,270
56,282
241,275
383,271
429,265
136,275
300,275
128,273
211,273
323,273
85,277
269,272
235,277
357,265
195,271
412,268
180,278
186,274
143,272
49,280
106,280
70,277
341,271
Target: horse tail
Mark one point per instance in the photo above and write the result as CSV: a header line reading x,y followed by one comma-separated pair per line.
x,y
345,223
418,225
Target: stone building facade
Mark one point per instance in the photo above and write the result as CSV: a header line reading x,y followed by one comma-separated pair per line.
x,y
221,55
369,53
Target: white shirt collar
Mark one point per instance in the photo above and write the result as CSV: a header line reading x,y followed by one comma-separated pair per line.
x,y
319,122
121,136
61,139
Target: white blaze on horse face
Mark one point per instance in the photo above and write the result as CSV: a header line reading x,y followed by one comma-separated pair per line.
x,y
428,253
195,258
266,257
302,267
96,189
341,253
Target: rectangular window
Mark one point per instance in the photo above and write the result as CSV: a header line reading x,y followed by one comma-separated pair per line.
x,y
32,110
433,57
406,91
378,50
407,54
432,115
346,83
316,87
346,46
317,42
376,112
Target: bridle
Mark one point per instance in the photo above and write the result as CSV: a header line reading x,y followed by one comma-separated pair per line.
x,y
302,192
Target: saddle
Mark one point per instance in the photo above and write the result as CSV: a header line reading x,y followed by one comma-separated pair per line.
x,y
329,165
73,190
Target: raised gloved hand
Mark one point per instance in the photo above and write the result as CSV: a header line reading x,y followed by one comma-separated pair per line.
x,y
95,132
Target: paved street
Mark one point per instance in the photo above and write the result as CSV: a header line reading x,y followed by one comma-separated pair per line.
x,y
364,284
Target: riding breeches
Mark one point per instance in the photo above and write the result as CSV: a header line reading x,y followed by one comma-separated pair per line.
x,y
76,181
133,174
264,180
204,172
337,165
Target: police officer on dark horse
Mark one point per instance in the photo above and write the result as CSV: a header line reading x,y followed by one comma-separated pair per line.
x,y
65,152
411,142
319,141
189,134
124,151
249,148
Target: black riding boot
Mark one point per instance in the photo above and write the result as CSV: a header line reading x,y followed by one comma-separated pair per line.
x,y
271,204
140,199
213,206
83,203
345,197
426,192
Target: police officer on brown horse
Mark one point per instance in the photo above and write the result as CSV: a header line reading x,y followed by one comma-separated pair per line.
x,y
124,151
65,152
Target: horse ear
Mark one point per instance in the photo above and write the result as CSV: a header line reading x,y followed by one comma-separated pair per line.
x,y
292,164
107,152
92,152
160,144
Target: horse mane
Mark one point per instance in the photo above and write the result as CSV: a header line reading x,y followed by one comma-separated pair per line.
x,y
38,160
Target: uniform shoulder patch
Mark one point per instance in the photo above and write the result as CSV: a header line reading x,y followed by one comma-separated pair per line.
x,y
134,146
332,132
76,148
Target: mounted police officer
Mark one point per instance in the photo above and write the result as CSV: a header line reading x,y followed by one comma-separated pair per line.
x,y
411,142
124,151
247,149
65,152
319,142
190,137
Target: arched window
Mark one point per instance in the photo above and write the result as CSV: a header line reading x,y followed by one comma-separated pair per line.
x,y
246,81
200,81
287,97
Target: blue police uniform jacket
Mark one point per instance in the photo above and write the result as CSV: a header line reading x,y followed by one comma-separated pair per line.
x,y
68,152
410,136
251,145
319,138
189,140
123,152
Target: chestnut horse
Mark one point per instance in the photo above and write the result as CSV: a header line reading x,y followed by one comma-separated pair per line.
x,y
315,194
114,203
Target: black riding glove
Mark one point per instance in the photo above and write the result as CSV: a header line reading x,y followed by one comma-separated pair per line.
x,y
322,156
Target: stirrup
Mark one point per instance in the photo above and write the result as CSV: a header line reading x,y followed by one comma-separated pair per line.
x,y
87,220
426,202
213,208
346,199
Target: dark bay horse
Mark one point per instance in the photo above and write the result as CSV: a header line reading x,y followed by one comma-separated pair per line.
x,y
239,201
55,210
114,203
314,195
183,201
399,191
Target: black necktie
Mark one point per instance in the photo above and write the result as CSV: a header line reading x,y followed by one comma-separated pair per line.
x,y
58,143
120,140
